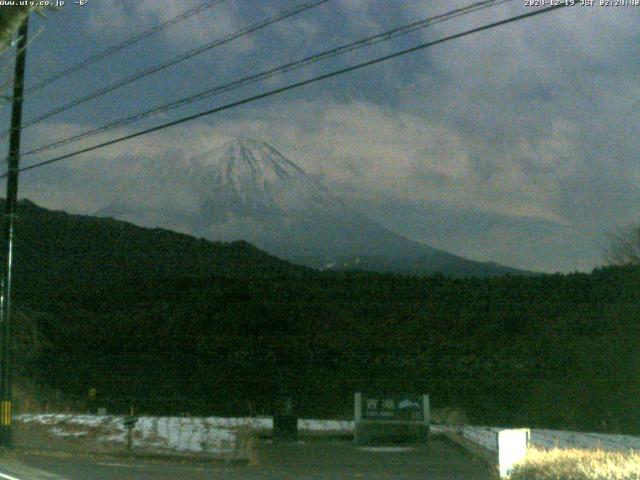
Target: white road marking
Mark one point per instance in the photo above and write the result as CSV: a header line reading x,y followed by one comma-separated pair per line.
x,y
8,477
125,465
387,449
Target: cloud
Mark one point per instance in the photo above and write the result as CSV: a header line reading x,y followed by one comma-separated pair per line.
x,y
145,172
522,241
380,149
113,22
525,135
544,105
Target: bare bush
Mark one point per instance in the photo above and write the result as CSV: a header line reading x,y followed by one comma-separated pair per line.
x,y
624,246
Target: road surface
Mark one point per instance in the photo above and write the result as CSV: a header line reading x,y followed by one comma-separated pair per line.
x,y
309,460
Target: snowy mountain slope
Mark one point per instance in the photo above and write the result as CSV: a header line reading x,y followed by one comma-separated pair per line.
x,y
247,190
249,179
251,191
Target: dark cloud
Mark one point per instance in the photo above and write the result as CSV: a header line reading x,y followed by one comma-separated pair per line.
x,y
517,145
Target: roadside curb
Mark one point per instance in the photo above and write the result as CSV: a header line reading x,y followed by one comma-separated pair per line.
x,y
148,456
10,465
488,457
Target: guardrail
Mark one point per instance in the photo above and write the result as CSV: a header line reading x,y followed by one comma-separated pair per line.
x,y
486,437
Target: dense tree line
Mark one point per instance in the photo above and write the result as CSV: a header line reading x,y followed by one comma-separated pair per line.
x,y
556,351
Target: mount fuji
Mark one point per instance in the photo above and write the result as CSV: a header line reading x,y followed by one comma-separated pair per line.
x,y
247,190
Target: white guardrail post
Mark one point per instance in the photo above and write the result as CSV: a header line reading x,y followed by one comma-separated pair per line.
x,y
512,447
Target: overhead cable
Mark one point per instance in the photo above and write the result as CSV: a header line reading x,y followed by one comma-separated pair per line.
x,y
295,85
127,43
333,52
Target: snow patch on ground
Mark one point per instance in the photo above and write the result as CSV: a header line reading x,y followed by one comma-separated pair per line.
x,y
221,435
199,435
338,426
387,449
178,434
63,433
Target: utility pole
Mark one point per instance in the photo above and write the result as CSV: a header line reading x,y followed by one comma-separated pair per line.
x,y
9,226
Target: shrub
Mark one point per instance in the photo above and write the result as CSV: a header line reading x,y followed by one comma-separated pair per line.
x,y
449,416
577,465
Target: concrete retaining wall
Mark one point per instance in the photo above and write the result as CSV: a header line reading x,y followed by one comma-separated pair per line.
x,y
486,437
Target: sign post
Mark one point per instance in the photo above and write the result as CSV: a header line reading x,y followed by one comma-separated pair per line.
x,y
391,418
130,423
285,422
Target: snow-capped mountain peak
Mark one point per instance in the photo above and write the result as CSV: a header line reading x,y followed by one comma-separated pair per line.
x,y
246,156
246,178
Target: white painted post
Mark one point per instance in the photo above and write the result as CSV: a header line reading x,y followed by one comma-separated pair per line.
x,y
426,410
512,447
357,407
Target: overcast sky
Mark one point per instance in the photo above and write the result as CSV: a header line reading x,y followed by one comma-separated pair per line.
x,y
517,145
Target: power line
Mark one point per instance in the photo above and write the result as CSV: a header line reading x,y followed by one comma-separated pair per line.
x,y
185,56
295,85
116,48
342,49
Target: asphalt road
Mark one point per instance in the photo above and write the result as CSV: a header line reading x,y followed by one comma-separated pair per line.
x,y
311,460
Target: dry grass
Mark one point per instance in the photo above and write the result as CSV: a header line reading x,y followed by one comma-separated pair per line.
x,y
449,416
577,465
31,398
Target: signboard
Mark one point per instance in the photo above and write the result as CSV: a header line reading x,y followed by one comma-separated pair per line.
x,y
391,419
398,407
130,421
